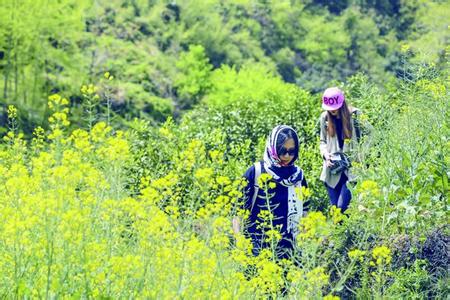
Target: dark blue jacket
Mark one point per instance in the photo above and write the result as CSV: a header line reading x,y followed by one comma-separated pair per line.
x,y
278,202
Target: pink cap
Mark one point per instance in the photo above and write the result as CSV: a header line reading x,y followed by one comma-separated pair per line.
x,y
332,98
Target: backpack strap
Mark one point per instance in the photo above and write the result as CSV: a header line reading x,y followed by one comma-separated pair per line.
x,y
255,183
318,127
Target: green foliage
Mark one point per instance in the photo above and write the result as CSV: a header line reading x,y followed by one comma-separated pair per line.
x,y
255,82
310,44
193,78
430,39
36,54
325,40
411,283
410,154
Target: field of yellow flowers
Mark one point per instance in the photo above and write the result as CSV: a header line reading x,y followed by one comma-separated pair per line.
x,y
146,212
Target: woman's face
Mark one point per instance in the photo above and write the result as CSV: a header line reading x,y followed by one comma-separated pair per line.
x,y
287,152
334,112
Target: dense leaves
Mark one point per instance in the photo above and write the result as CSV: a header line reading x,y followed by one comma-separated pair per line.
x,y
153,48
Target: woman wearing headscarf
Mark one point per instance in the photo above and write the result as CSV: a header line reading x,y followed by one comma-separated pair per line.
x,y
281,199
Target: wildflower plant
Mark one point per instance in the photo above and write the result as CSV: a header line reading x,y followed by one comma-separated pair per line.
x,y
108,96
381,260
90,103
13,137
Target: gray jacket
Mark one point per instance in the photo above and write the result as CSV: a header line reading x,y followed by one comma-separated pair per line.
x,y
329,145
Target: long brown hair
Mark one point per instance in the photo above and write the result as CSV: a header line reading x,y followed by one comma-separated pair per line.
x,y
345,116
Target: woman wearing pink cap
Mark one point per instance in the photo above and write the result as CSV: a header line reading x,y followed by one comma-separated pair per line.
x,y
338,135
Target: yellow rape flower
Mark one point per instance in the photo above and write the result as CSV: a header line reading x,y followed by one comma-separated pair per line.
x,y
223,180
54,99
331,297
269,279
195,151
336,214
55,134
204,175
356,254
12,112
263,179
381,255
116,149
369,185
214,154
317,276
313,226
303,192
80,139
108,76
89,90
369,188
100,131
273,235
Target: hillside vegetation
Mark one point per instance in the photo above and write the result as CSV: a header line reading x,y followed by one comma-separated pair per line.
x,y
127,126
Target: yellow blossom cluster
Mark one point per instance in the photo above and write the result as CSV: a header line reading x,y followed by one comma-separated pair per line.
x,y
317,278
116,148
307,284
314,227
269,275
204,175
89,89
216,156
12,112
369,188
303,193
437,90
59,119
336,214
381,255
11,136
100,132
356,254
38,138
195,151
108,76
264,179
331,297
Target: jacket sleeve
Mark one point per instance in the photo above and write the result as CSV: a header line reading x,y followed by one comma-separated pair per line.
x,y
304,182
323,136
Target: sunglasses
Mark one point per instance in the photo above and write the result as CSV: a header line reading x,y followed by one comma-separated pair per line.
x,y
291,152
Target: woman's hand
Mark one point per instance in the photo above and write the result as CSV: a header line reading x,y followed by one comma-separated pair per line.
x,y
236,225
327,157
